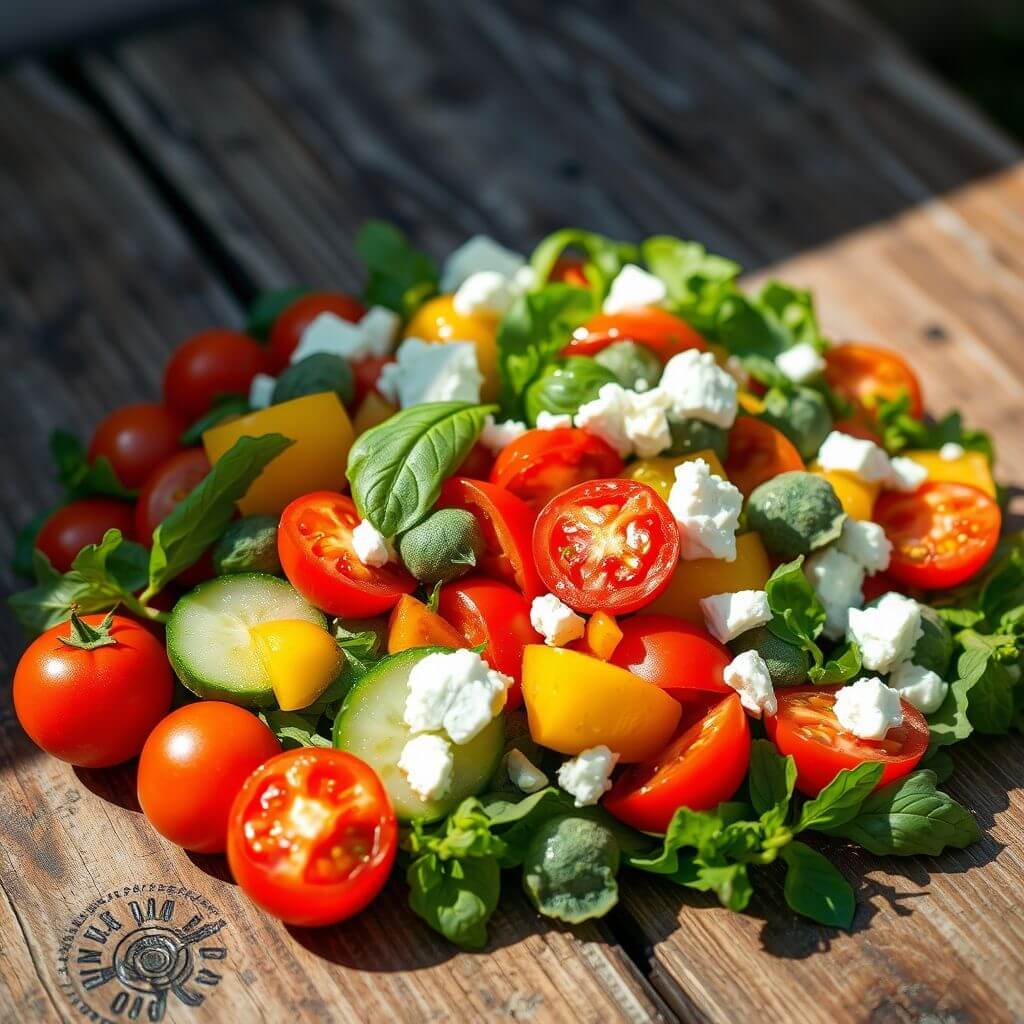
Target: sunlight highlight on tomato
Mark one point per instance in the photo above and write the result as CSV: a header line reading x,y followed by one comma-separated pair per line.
x,y
656,329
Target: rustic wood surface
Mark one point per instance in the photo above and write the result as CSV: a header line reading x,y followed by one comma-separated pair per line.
x,y
168,176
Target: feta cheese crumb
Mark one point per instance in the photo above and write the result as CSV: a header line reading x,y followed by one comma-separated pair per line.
x,y
585,776
728,615
887,632
634,288
523,773
707,511
631,422
456,693
748,675
604,417
486,291
866,543
700,389
424,372
854,455
329,333
951,451
800,363
496,436
379,329
920,687
905,475
372,548
553,420
837,580
477,254
261,390
868,708
555,621
426,762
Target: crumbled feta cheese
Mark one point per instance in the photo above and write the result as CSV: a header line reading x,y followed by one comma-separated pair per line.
x,y
905,474
886,633
486,291
426,762
496,436
585,776
837,580
800,363
379,329
630,422
707,511
920,687
748,675
868,708
555,621
372,548
329,333
951,451
605,417
261,390
553,420
634,288
477,254
854,455
700,389
866,543
425,372
456,693
728,615
523,773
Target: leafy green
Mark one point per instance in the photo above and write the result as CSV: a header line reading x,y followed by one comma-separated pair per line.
x,y
400,277
22,562
605,257
798,616
81,478
900,430
815,888
563,386
841,799
267,307
845,663
771,782
793,308
226,407
295,728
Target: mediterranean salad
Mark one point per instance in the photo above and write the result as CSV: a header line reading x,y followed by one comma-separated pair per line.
x,y
528,571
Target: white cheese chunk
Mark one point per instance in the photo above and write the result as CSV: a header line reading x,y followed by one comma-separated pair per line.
x,y
605,417
800,363
748,675
555,621
477,254
920,687
728,615
553,420
868,708
634,288
372,548
379,329
586,776
698,388
707,511
905,474
854,455
837,580
261,390
951,451
424,372
887,632
487,291
631,422
331,334
426,762
496,436
523,773
866,543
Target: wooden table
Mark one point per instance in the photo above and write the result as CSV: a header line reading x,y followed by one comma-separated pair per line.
x,y
149,189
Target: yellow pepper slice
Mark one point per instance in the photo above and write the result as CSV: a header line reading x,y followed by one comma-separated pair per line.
x,y
971,468
855,495
659,472
300,658
603,635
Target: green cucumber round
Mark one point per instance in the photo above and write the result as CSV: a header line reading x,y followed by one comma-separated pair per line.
x,y
208,640
370,725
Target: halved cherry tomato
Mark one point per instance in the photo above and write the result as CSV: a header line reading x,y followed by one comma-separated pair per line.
x,y
606,544
366,373
862,374
704,765
942,533
314,543
757,452
288,328
806,727
507,526
312,836
136,439
167,485
487,612
542,463
684,659
661,332
413,624
477,463
82,522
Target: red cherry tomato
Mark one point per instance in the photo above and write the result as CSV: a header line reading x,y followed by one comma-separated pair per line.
x,y
704,765
542,463
366,373
608,545
507,526
661,332
93,708
193,765
862,374
683,659
312,836
314,543
207,366
806,727
82,522
477,463
288,328
569,270
942,533
171,482
757,452
487,612
136,439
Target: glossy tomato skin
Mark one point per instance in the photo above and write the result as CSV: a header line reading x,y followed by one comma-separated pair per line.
x,y
365,374
542,463
704,764
208,365
82,522
93,708
487,612
314,543
661,332
318,875
288,328
136,439
864,373
477,463
758,452
172,481
193,765
806,727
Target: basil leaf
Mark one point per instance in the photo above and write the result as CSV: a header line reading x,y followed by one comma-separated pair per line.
x,y
844,664
81,478
396,469
400,277
267,307
900,430
113,562
793,308
991,703
605,257
227,407
200,518
798,615
815,888
950,723
686,829
455,897
771,782
841,799
729,882
294,729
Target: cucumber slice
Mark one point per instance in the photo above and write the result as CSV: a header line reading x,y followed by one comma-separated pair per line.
x,y
208,639
370,725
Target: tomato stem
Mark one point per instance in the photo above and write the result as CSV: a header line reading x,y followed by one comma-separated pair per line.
x,y
140,606
86,637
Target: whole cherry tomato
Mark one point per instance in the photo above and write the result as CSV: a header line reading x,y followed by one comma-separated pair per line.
x,y
366,373
136,439
757,452
661,332
862,374
172,481
288,328
82,522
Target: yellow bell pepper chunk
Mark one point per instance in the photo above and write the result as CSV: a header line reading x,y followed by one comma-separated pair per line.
x,y
750,404
660,472
574,702
372,411
320,428
436,321
971,468
603,635
413,624
857,496
706,576
301,659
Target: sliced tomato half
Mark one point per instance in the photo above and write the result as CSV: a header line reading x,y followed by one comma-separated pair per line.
x,y
863,374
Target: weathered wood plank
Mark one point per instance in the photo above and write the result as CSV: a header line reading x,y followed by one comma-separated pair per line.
x,y
98,284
